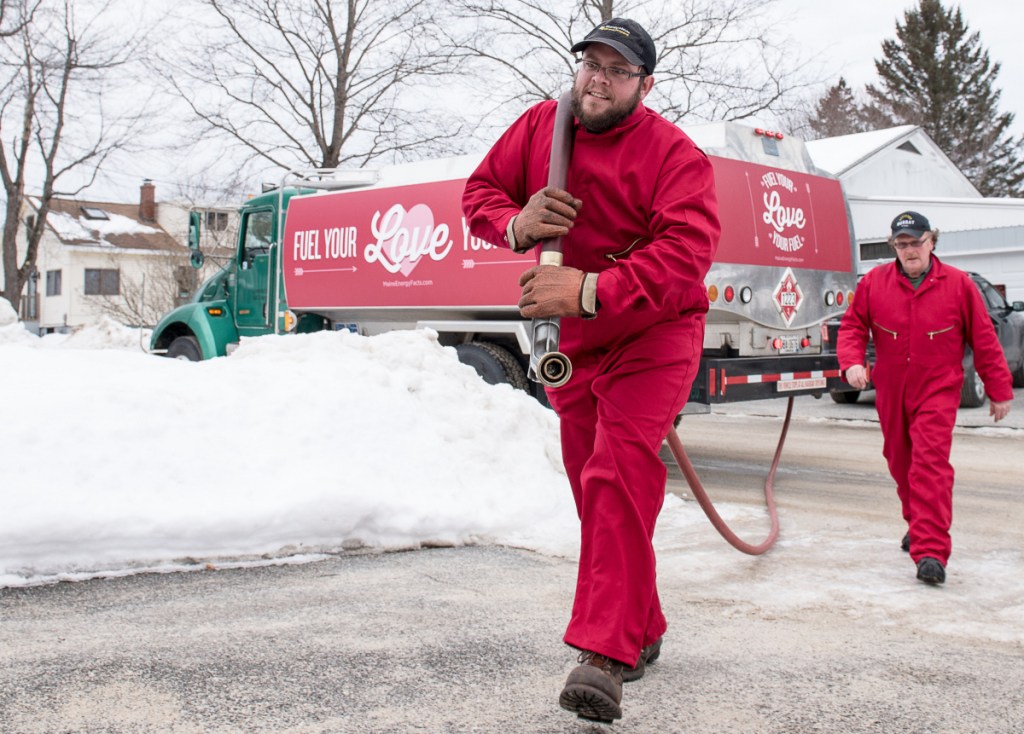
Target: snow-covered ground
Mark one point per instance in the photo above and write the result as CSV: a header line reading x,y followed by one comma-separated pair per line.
x,y
113,461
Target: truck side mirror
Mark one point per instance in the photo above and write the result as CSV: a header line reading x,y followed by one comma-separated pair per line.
x,y
195,221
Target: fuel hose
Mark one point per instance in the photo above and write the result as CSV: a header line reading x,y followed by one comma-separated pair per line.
x,y
701,495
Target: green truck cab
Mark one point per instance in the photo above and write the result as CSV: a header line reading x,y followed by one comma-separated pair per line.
x,y
245,298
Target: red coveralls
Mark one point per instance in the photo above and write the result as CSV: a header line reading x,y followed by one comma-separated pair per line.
x,y
649,225
919,338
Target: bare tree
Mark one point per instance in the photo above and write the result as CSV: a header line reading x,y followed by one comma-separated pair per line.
x,y
717,59
163,283
315,83
15,15
53,121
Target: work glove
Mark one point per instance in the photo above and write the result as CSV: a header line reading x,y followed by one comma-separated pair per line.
x,y
551,290
548,214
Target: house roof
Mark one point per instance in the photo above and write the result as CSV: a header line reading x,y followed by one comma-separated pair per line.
x,y
900,160
839,154
81,223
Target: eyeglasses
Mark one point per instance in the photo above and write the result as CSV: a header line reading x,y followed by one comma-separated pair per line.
x,y
611,73
912,243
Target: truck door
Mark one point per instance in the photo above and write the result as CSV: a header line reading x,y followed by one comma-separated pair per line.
x,y
251,297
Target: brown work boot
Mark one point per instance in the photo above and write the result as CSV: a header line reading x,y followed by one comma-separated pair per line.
x,y
648,655
594,688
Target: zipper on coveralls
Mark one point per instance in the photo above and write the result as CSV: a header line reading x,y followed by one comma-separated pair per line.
x,y
931,334
613,256
887,331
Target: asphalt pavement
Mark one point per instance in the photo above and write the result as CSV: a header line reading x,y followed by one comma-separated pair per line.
x,y
459,640
468,639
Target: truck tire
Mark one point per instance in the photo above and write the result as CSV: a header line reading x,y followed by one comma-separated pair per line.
x,y
973,393
538,391
844,396
496,365
1018,374
186,348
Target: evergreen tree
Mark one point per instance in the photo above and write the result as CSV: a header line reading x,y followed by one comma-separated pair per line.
x,y
837,113
938,75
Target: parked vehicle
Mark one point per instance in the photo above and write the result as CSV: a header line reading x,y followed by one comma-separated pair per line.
x,y
373,252
1008,320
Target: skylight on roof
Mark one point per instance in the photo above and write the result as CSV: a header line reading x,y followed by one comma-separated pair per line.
x,y
92,212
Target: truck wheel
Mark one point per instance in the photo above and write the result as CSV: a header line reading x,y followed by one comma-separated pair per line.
x,y
844,396
185,347
973,393
496,365
1018,374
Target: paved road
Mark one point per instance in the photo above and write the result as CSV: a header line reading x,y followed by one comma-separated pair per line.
x,y
827,633
864,410
458,640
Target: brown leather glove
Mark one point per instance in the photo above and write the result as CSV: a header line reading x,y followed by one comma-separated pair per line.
x,y
550,290
548,214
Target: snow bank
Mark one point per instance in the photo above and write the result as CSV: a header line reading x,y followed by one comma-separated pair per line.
x,y
295,444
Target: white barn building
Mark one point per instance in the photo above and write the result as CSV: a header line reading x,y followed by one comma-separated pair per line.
x,y
885,172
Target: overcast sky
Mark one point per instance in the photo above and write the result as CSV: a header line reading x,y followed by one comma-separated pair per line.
x,y
847,37
841,38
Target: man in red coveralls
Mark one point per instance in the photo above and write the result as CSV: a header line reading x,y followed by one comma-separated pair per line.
x,y
640,227
921,313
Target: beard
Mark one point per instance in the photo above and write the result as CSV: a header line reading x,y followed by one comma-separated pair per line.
x,y
608,119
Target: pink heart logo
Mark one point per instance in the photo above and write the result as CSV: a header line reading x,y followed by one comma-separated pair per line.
x,y
411,239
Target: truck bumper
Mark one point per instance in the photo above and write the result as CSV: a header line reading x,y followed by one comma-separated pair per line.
x,y
733,380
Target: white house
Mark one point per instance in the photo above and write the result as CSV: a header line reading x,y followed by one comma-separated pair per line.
x,y
885,172
125,260
95,258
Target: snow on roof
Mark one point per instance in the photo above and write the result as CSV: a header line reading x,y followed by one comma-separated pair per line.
x,y
95,231
121,228
841,153
117,224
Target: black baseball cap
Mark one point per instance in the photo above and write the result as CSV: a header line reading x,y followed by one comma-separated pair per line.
x,y
910,223
628,38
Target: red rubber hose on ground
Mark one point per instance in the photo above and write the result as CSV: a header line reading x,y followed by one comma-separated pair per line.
x,y
701,495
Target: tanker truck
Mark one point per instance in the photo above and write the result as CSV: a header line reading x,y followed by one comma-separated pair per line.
x,y
375,251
